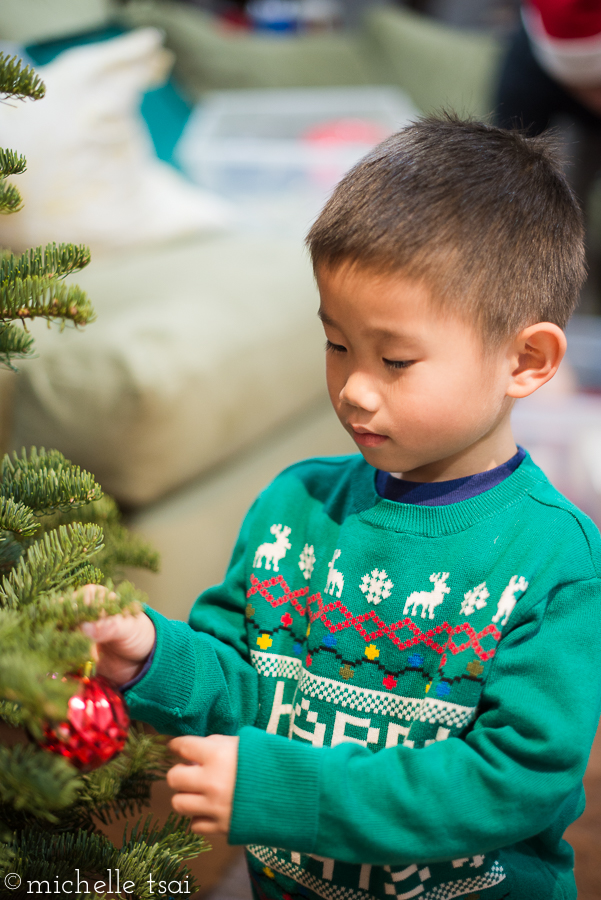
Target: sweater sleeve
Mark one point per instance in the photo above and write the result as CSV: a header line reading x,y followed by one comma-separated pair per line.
x,y
200,680
502,782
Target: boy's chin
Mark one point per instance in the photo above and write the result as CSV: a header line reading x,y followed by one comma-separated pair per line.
x,y
382,458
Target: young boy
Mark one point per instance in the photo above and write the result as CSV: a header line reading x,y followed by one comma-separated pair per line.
x,y
399,675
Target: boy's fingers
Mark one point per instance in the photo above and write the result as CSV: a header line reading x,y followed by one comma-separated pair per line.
x,y
190,747
93,592
204,826
192,805
186,778
107,629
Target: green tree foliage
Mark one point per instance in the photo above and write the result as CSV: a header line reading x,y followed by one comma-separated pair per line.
x,y
59,532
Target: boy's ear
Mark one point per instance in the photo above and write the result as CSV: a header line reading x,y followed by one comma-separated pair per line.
x,y
535,356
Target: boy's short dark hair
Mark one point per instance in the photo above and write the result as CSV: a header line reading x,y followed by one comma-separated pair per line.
x,y
483,215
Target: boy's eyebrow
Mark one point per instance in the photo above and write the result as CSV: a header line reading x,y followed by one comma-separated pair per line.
x,y
378,332
325,318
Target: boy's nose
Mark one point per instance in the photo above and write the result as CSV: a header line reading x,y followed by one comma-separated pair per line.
x,y
358,392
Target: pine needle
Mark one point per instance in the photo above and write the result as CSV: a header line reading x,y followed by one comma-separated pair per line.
x,y
19,80
53,259
10,199
14,343
17,518
11,163
44,296
34,781
46,481
51,564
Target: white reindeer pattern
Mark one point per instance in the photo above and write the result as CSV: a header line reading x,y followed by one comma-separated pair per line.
x,y
275,551
335,577
429,600
508,598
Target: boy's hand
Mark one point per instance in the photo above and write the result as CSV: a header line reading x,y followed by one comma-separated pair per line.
x,y
206,789
123,642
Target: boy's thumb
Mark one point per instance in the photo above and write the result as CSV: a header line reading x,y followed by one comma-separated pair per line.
x,y
89,629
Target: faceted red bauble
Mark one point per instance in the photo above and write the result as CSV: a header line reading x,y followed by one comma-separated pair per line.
x,y
96,728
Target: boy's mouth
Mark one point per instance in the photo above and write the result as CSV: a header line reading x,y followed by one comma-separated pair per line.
x,y
367,438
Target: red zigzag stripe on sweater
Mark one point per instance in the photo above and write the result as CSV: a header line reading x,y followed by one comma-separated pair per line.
x,y
427,637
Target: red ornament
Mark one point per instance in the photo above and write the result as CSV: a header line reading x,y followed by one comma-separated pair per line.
x,y
96,728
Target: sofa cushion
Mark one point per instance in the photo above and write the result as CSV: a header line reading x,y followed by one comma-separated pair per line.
x,y
437,65
198,349
210,57
25,21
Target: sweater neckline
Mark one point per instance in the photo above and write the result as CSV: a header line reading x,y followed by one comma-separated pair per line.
x,y
437,520
443,493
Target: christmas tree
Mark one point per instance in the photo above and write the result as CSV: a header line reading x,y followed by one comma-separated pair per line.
x,y
58,533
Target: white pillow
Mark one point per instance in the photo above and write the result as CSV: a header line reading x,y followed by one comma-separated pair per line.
x,y
92,175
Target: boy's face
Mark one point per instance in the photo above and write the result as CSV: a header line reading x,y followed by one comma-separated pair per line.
x,y
415,387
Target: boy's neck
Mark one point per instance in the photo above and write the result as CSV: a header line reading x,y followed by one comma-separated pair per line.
x,y
492,450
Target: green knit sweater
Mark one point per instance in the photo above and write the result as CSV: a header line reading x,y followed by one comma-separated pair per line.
x,y
416,688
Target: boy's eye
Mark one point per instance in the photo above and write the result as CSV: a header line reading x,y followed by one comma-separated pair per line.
x,y
397,363
335,348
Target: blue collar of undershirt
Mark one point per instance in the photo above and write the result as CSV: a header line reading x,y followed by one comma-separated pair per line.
x,y
441,493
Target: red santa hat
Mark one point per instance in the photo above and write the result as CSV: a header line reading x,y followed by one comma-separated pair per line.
x,y
566,38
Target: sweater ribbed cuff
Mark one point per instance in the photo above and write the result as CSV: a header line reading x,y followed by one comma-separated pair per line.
x,y
158,691
277,786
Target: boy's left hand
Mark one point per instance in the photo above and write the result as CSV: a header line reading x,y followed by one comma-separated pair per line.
x,y
205,789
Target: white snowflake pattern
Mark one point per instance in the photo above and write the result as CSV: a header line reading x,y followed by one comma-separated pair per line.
x,y
474,599
306,561
376,585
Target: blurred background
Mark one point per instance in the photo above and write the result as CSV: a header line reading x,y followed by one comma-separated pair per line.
x,y
191,144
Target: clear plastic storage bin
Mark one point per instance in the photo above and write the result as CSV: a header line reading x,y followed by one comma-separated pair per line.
x,y
279,153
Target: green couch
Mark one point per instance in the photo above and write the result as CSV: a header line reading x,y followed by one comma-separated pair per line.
x,y
436,65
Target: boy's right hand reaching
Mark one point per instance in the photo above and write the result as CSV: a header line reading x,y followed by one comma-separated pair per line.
x,y
123,642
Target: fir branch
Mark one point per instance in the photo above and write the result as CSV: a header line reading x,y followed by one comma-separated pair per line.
x,y
103,511
67,612
11,551
30,696
159,851
10,712
19,80
11,163
30,651
17,525
39,855
123,548
37,782
87,574
123,785
10,199
44,296
24,681
43,856
14,342
17,518
54,259
46,481
6,854
50,564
